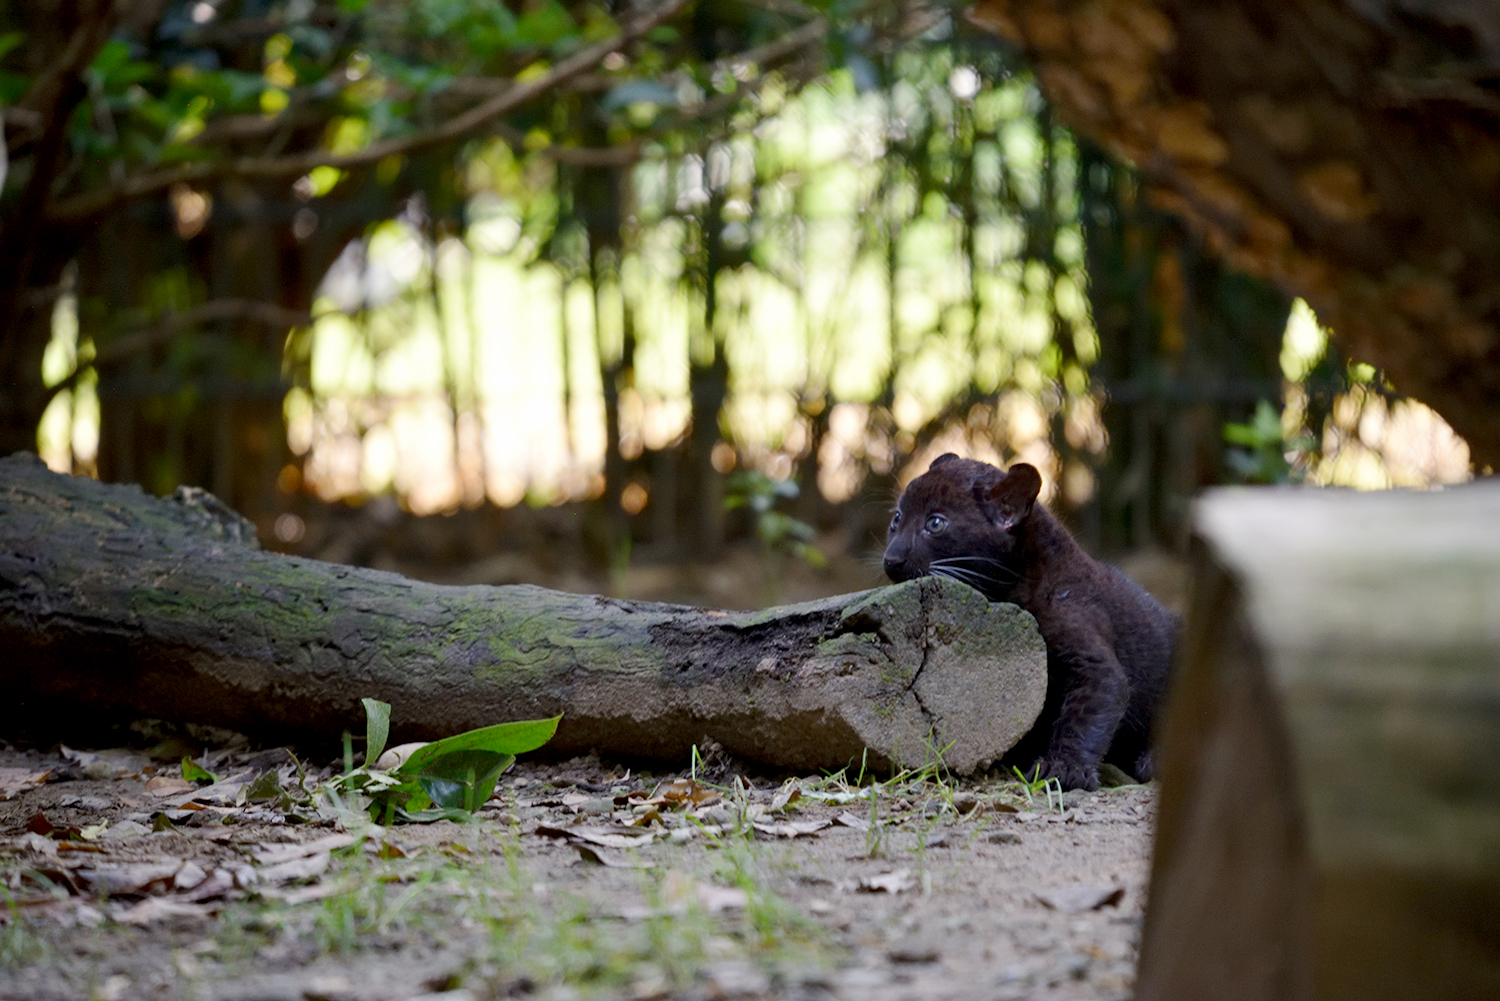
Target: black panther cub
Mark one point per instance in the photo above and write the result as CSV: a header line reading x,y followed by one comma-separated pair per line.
x,y
1109,643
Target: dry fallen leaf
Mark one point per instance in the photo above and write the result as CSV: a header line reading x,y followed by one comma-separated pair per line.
x,y
130,878
189,877
791,828
788,795
610,857
395,757
113,763
125,830
611,839
682,790
154,909
14,781
598,836
219,882
851,820
888,882
645,813
80,846
166,785
1077,899
37,844
303,894
39,824
307,867
275,854
714,899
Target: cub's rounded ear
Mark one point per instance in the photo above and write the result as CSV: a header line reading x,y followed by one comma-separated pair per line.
x,y
940,460
1016,492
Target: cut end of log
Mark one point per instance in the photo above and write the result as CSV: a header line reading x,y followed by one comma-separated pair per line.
x,y
969,676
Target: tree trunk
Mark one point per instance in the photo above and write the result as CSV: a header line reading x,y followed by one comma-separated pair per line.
x,y
113,602
1349,151
1330,811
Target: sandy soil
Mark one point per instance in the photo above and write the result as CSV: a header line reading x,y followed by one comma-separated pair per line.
x,y
960,890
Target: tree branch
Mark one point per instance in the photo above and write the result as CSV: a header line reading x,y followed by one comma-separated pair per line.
x,y
144,338
81,208
629,153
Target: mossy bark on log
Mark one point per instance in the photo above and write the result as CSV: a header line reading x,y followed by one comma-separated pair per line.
x,y
1330,814
115,602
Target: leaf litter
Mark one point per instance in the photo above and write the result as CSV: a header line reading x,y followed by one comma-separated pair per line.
x,y
580,877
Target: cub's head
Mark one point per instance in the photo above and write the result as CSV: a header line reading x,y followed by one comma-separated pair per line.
x,y
960,519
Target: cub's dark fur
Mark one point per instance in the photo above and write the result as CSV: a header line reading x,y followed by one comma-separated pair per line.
x,y
1109,644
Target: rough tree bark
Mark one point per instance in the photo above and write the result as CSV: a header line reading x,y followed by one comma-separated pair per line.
x,y
1348,150
1330,804
112,601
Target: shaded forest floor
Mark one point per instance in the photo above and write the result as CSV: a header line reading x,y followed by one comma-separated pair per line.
x,y
578,879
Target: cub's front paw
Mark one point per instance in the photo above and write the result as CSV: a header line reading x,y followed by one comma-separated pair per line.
x,y
1070,774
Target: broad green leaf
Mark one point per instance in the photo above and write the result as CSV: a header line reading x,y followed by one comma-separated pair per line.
x,y
502,738
192,772
546,25
388,797
463,779
12,87
267,786
115,70
445,792
182,153
377,728
436,813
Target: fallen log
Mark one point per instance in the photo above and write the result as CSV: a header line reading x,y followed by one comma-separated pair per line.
x,y
1329,824
114,602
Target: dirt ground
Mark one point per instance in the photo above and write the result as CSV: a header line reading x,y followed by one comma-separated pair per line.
x,y
577,879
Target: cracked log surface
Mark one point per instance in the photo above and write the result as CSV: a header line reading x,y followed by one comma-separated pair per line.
x,y
115,603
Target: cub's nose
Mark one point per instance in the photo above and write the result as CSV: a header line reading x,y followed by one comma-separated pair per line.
x,y
894,561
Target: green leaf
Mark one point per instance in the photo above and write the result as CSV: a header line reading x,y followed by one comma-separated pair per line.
x,y
266,786
546,25
195,773
463,779
183,153
389,798
10,40
13,87
454,775
115,70
502,738
377,728
437,813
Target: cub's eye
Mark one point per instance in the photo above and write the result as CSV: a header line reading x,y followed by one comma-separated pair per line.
x,y
895,520
935,524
